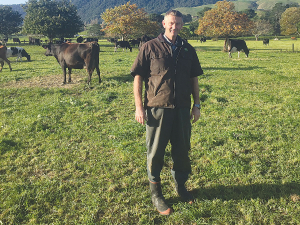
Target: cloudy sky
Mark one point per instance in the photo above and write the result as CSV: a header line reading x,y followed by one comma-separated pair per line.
x,y
11,2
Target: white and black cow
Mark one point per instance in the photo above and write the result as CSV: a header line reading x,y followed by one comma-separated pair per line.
x,y
122,44
17,52
237,45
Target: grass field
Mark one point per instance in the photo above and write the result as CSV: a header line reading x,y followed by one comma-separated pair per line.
x,y
75,155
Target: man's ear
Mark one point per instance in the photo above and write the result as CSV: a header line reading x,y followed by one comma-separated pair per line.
x,y
163,23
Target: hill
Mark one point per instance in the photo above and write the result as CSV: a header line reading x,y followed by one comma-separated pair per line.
x,y
90,10
95,7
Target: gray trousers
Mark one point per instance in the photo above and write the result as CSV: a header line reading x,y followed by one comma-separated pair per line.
x,y
166,125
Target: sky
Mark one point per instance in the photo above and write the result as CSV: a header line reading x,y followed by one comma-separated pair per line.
x,y
11,2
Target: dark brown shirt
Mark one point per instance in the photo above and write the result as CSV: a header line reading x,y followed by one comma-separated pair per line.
x,y
167,79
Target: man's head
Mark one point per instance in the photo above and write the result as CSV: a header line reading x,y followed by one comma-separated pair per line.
x,y
172,23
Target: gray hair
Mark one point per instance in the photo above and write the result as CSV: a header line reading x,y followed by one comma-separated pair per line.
x,y
174,13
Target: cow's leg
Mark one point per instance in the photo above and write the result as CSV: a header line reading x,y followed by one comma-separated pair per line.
x,y
8,62
238,54
70,70
116,49
229,54
65,76
1,65
98,72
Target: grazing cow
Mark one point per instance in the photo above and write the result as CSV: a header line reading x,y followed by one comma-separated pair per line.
x,y
237,45
122,44
203,39
3,50
112,40
135,42
266,41
75,56
16,40
34,41
17,52
90,40
79,39
144,39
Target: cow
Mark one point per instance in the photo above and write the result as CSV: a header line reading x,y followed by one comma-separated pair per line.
x,y
266,41
75,56
122,44
203,39
16,40
34,41
17,52
79,39
237,45
90,40
135,42
3,50
144,39
112,40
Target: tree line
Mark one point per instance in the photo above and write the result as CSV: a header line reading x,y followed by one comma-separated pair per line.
x,y
59,18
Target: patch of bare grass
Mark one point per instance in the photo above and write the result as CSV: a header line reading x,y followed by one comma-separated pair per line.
x,y
51,81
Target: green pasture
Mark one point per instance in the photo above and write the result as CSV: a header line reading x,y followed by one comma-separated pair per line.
x,y
70,154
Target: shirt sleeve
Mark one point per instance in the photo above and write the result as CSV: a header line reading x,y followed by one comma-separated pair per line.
x,y
141,65
196,67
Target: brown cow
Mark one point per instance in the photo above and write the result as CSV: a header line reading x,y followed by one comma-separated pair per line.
x,y
75,56
3,50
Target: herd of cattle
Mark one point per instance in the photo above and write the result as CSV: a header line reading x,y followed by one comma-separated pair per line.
x,y
86,55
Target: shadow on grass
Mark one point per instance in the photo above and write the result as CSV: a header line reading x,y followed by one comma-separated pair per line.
x,y
253,191
7,145
123,79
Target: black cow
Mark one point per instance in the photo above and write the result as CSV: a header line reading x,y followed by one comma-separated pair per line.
x,y
16,40
144,39
34,41
266,41
122,44
76,56
112,40
90,40
135,42
203,39
79,39
237,45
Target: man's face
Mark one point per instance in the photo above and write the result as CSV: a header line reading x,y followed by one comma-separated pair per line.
x,y
172,25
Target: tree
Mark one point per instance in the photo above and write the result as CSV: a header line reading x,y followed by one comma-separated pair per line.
x,y
128,20
224,21
156,17
187,18
193,26
274,16
95,30
185,33
10,21
290,21
262,27
249,12
201,13
51,18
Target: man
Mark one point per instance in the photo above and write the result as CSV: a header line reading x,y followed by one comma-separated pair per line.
x,y
169,66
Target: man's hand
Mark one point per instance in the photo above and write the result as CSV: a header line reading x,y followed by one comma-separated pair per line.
x,y
140,115
195,114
